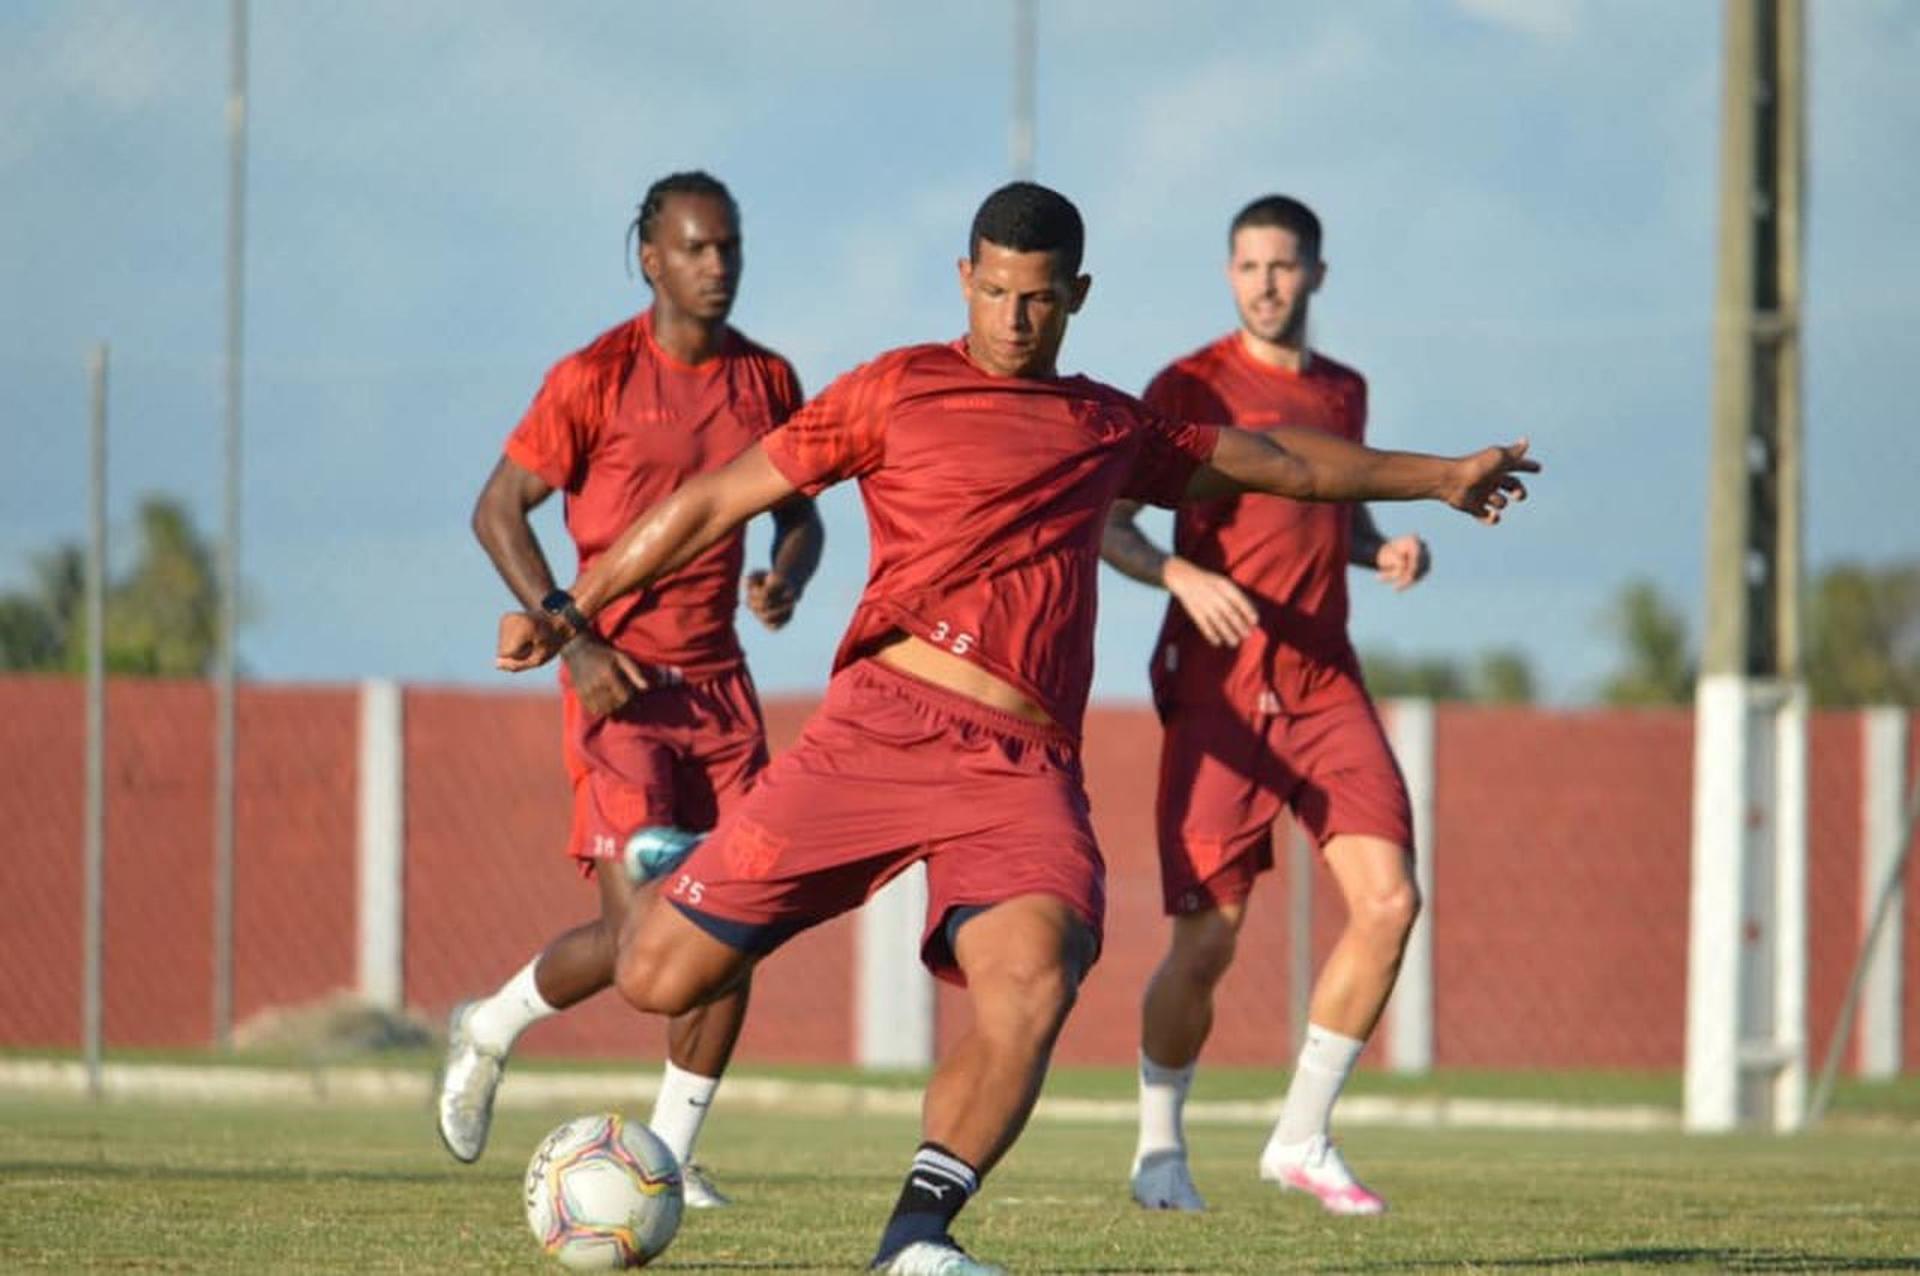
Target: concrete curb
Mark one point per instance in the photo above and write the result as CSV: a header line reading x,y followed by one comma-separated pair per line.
x,y
366,1085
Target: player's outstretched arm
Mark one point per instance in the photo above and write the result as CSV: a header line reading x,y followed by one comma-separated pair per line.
x,y
1309,465
671,534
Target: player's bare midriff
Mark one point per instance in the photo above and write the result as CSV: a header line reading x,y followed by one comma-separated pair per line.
x,y
944,669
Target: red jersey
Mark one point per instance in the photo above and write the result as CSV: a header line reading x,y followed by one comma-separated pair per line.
x,y
619,425
986,498
1289,556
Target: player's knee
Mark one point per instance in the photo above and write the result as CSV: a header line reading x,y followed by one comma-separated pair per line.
x,y
649,980
1027,997
1388,914
1202,952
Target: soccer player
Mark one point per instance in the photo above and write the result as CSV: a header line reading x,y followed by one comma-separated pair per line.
x,y
950,729
663,730
1264,709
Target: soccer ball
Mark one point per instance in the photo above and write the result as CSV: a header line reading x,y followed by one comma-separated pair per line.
x,y
657,850
603,1194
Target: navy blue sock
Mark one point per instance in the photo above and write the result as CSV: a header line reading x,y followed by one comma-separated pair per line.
x,y
938,1185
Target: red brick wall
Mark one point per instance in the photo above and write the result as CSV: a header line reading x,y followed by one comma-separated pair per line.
x,y
293,876
1560,916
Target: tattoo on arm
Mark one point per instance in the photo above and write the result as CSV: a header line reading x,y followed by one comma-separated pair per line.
x,y
1127,549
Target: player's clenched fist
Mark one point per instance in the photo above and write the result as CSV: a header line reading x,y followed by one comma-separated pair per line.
x,y
528,640
771,598
1484,483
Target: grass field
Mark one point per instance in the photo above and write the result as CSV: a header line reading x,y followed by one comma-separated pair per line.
x,y
186,1188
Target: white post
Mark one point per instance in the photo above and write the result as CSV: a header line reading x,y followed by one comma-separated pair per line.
x,y
1884,732
1788,849
1747,937
1410,1013
382,852
1300,865
893,1013
1712,1086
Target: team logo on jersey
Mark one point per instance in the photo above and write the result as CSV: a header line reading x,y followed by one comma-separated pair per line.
x,y
752,849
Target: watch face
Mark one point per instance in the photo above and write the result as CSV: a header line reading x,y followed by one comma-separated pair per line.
x,y
557,601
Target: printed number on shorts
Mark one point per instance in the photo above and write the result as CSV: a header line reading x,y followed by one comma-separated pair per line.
x,y
605,846
958,643
689,889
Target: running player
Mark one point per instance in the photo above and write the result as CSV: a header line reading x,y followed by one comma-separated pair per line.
x,y
1264,709
663,731
950,729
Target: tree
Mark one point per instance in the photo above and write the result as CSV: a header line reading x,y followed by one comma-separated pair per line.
x,y
1863,635
1500,676
162,615
1504,676
1658,668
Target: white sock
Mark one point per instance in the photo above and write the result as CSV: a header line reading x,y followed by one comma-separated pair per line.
x,y
680,1109
497,1022
1163,1094
1326,1061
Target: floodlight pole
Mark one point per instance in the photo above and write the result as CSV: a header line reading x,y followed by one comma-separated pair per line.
x,y
1747,947
224,742
1020,133
93,919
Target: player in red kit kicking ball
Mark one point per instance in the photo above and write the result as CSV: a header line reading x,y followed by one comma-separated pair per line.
x,y
663,731
950,730
1264,708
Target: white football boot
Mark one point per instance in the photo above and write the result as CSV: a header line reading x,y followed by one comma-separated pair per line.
x,y
698,1191
1161,1181
468,1081
938,1258
1317,1168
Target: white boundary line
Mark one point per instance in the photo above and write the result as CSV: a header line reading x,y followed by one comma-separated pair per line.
x,y
185,1083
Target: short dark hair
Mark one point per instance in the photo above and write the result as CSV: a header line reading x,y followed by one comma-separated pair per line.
x,y
646,216
1281,212
1029,218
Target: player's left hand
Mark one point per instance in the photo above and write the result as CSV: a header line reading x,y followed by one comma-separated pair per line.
x,y
771,597
1403,561
1484,483
528,640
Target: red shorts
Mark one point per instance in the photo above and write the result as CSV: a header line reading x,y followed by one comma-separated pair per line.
x,y
1225,776
892,770
678,754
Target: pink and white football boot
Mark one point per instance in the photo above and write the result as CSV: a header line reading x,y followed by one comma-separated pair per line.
x,y
1317,1168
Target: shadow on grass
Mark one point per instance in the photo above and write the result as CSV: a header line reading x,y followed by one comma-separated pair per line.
x,y
1720,1258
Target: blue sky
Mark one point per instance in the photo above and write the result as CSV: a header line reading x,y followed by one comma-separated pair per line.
x,y
1519,196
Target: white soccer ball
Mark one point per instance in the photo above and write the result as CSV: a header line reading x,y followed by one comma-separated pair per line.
x,y
657,850
603,1194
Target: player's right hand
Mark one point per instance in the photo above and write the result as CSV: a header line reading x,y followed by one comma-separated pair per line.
x,y
603,676
1484,483
1219,608
528,640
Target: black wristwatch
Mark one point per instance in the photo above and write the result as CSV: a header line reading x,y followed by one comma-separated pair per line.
x,y
560,605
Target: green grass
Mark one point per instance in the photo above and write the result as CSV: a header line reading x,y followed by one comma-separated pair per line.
x,y
127,1187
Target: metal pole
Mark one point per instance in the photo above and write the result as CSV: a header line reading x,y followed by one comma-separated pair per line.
x,y
1020,136
1754,519
93,921
230,541
1850,1005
